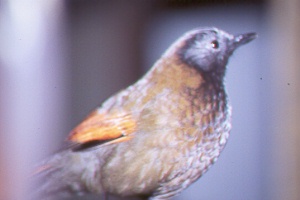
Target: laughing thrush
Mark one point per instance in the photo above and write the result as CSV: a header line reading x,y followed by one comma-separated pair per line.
x,y
156,137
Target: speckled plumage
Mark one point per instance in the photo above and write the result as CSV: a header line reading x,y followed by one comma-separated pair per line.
x,y
159,135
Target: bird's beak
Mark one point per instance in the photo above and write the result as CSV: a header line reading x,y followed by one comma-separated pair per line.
x,y
243,39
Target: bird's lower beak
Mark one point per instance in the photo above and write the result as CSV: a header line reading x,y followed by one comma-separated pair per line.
x,y
243,39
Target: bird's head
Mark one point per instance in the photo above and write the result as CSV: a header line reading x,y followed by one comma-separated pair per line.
x,y
208,49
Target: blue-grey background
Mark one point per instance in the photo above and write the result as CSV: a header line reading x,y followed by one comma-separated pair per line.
x,y
61,59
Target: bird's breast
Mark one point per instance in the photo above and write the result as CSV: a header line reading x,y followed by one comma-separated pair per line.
x,y
204,131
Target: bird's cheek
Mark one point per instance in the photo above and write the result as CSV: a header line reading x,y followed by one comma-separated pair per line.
x,y
203,63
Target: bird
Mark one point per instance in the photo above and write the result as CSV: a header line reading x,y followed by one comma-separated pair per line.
x,y
156,137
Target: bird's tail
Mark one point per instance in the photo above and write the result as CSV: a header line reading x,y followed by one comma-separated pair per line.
x,y
62,175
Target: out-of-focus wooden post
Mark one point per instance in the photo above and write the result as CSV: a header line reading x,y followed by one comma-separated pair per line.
x,y
32,90
285,28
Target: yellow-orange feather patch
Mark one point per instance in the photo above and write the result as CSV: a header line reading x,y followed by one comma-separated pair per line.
x,y
99,127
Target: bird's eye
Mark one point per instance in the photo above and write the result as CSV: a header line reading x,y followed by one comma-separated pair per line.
x,y
215,44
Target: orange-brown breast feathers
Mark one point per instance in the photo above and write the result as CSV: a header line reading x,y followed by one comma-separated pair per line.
x,y
104,127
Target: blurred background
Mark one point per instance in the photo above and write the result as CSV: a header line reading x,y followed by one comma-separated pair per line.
x,y
60,59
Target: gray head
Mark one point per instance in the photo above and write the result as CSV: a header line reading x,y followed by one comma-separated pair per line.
x,y
208,49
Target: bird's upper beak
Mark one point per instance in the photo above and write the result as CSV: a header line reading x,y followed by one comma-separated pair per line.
x,y
243,39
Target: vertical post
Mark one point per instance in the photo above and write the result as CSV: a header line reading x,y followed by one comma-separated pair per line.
x,y
286,130
32,88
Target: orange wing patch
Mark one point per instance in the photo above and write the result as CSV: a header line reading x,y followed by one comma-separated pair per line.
x,y
101,127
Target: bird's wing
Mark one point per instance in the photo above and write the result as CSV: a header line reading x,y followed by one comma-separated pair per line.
x,y
104,128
